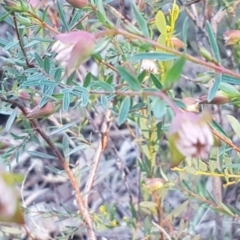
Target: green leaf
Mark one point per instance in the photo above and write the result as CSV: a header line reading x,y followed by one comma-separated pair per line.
x,y
40,155
226,209
46,64
5,15
231,80
160,22
140,20
229,89
158,107
104,101
218,128
234,124
123,111
61,129
213,90
66,101
154,56
11,119
62,15
65,145
156,81
213,42
129,78
58,74
174,73
104,85
87,80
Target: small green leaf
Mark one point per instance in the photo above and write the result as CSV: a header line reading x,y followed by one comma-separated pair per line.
x,y
140,21
158,107
218,128
61,129
66,101
40,155
234,124
87,80
174,73
104,101
47,64
156,81
123,111
213,90
231,80
129,78
65,145
229,89
213,42
154,56
62,15
11,119
160,22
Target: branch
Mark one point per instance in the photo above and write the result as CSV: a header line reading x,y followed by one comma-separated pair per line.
x,y
102,143
83,209
20,42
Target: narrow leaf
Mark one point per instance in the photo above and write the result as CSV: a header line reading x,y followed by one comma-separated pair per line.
x,y
212,92
234,124
62,15
154,56
174,73
11,119
213,42
129,78
140,20
61,129
40,155
124,109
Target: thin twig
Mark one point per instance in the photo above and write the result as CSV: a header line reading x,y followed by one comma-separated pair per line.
x,y
83,210
102,142
162,230
20,41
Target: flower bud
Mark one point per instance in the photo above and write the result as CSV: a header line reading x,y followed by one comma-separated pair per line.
x,y
177,43
73,49
78,3
206,54
231,37
220,98
23,94
18,6
25,21
4,143
47,110
154,184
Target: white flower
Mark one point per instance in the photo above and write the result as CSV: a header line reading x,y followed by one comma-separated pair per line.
x,y
149,65
192,135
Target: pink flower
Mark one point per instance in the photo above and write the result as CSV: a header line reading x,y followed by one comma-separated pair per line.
x,y
34,3
192,135
73,49
231,37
